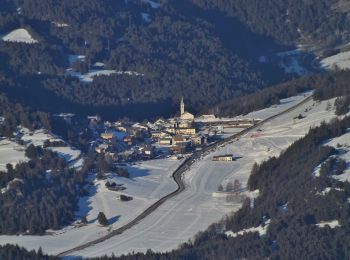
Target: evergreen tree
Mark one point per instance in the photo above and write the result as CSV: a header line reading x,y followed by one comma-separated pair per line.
x,y
102,220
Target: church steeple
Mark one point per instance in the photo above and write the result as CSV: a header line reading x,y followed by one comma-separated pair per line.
x,y
182,106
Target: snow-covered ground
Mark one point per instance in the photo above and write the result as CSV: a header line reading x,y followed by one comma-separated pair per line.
x,y
19,35
331,224
12,153
262,229
340,60
342,144
38,137
89,77
150,180
98,69
261,114
180,218
273,110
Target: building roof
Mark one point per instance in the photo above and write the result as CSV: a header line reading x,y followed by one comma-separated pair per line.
x,y
179,138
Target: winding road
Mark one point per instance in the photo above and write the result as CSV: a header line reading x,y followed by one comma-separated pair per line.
x,y
177,176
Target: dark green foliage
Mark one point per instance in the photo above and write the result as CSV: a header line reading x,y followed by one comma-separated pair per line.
x,y
102,220
326,86
182,51
18,253
15,114
40,194
260,99
22,58
331,85
289,21
342,105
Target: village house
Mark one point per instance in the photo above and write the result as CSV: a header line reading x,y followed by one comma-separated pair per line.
x,y
185,131
157,134
224,158
129,140
178,149
199,140
180,140
148,151
165,141
109,137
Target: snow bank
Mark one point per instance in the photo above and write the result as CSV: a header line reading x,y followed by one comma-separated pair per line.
x,y
341,60
19,35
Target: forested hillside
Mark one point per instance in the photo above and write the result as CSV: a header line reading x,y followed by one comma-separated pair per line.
x,y
326,86
40,194
324,22
177,48
18,253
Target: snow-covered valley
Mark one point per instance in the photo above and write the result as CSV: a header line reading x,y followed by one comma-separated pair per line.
x,y
181,217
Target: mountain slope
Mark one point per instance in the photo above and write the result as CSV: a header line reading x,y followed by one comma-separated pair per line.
x,y
178,50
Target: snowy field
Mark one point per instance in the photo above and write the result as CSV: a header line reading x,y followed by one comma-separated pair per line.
x,y
38,137
340,60
273,110
180,218
12,153
264,113
19,35
150,180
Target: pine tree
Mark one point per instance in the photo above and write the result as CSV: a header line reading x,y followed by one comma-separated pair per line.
x,y
101,218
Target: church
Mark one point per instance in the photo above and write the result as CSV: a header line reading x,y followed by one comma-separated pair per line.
x,y
183,114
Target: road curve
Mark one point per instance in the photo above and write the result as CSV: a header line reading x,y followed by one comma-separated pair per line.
x,y
177,176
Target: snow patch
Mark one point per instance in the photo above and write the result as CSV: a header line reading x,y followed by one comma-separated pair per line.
x,y
12,153
340,60
341,144
262,229
146,17
73,58
89,77
19,35
9,184
331,224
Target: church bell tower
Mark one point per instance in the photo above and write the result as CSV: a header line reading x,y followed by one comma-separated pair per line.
x,y
182,106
